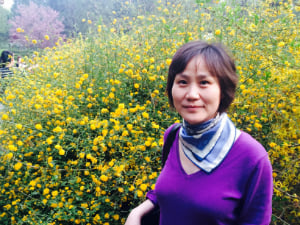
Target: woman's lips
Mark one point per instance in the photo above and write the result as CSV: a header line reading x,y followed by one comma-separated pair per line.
x,y
192,106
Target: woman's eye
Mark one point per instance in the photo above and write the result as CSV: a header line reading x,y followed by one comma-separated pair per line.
x,y
182,82
204,82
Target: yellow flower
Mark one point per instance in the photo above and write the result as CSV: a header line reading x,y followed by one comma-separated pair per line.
x,y
19,30
116,217
145,115
104,110
61,152
18,166
54,193
54,205
49,141
46,191
111,95
12,148
58,147
143,187
4,117
83,20
232,32
147,143
103,178
9,156
34,41
272,144
131,188
129,126
38,126
281,44
252,27
166,11
46,37
19,126
168,61
139,193
257,125
57,129
96,218
217,32
50,159
136,86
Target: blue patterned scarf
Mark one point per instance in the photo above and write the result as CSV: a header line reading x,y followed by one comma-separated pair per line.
x,y
208,143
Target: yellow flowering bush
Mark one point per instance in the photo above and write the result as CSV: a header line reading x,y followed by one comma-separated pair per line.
x,y
81,133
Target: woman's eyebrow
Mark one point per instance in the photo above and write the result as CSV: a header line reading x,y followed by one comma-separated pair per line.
x,y
201,76
182,75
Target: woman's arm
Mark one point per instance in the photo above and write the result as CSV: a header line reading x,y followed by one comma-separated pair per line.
x,y
257,207
135,216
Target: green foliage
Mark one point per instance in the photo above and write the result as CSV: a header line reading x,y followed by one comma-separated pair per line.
x,y
81,133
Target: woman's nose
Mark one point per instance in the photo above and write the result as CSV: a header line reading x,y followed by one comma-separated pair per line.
x,y
193,93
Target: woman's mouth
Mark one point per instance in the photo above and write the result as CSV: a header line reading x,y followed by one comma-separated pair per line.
x,y
192,106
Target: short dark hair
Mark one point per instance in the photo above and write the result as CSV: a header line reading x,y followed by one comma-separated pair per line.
x,y
219,63
6,57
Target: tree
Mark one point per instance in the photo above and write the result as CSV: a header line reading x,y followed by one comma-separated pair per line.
x,y
74,11
26,2
4,14
101,11
35,25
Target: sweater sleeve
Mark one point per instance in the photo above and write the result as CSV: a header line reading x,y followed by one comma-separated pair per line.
x,y
257,204
152,197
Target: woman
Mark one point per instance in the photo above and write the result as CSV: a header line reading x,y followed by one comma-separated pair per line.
x,y
6,62
215,173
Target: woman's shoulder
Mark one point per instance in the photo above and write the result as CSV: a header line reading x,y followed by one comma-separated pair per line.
x,y
246,144
168,130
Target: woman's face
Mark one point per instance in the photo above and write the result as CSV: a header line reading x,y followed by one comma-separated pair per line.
x,y
12,61
196,93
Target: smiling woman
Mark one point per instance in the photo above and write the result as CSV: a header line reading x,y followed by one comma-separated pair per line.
x,y
196,93
208,151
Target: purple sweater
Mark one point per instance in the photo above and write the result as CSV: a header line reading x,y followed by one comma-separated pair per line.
x,y
239,191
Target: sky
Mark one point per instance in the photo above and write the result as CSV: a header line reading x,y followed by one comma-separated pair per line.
x,y
7,4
